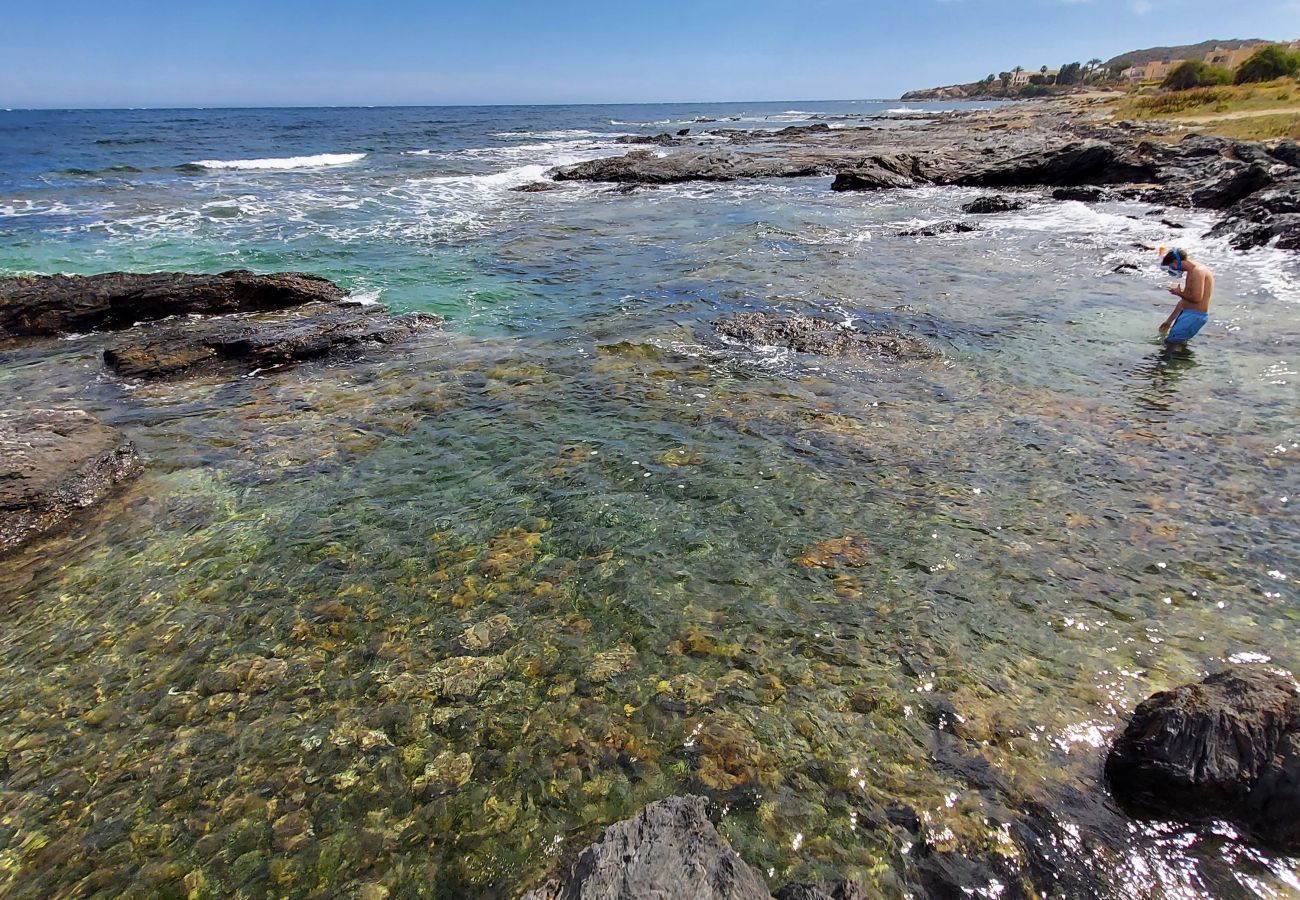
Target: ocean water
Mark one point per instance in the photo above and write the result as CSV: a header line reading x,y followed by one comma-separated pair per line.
x,y
428,621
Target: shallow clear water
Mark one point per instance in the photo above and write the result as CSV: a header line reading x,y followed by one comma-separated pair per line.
x,y
431,620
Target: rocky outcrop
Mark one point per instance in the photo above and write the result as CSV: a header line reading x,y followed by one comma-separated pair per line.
x,y
808,334
668,850
175,323
263,342
995,203
889,170
53,463
644,167
1227,747
1076,163
49,304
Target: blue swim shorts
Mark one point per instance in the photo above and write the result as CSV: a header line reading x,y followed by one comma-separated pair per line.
x,y
1189,322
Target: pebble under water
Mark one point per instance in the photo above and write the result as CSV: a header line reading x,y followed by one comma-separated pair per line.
x,y
424,623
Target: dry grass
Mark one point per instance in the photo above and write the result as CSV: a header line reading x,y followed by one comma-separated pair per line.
x,y
1244,112
1257,128
1208,100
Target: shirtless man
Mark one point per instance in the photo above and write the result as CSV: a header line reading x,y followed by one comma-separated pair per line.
x,y
1193,309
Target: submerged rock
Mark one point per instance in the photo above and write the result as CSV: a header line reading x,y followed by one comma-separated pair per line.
x,y
994,203
49,304
536,187
807,334
822,890
939,228
1227,747
166,349
668,850
52,463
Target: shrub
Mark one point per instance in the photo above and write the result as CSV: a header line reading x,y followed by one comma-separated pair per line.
x,y
1269,63
1035,90
1193,74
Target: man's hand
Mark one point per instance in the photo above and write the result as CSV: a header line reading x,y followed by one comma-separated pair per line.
x,y
1165,326
1175,290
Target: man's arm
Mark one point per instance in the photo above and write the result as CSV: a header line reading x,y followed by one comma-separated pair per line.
x,y
1173,316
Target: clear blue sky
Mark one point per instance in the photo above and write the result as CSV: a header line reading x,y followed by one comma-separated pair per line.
x,y
326,52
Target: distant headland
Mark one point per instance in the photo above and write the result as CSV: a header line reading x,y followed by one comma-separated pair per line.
x,y
1124,72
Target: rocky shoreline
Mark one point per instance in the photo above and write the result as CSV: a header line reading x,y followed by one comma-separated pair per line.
x,y
1068,146
160,325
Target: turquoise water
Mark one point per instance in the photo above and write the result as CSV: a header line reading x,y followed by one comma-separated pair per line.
x,y
427,622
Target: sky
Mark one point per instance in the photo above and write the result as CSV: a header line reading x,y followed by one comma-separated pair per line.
x,y
75,53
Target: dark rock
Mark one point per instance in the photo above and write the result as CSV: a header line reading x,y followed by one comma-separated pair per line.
x,y
52,463
1077,163
663,140
1288,151
958,876
938,229
823,890
536,187
49,304
882,171
804,130
264,342
1232,188
683,132
668,850
1081,194
995,203
806,334
1127,267
1227,747
1170,224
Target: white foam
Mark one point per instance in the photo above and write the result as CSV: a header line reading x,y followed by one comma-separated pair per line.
x,y
904,111
557,134
286,162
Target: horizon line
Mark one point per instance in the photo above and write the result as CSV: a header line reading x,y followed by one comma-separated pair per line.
x,y
439,105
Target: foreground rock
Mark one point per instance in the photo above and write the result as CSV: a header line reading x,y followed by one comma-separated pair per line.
x,y
1225,748
53,463
808,334
32,305
262,342
671,851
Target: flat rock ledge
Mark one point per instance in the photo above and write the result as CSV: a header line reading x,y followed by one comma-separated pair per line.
x,y
53,463
1226,748
809,334
42,305
261,342
174,323
671,851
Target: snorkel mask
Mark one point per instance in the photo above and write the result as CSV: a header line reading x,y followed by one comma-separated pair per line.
x,y
1177,268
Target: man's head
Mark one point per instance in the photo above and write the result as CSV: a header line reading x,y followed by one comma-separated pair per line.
x,y
1175,261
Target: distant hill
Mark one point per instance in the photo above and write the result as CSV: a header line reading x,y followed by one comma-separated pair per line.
x,y
1185,51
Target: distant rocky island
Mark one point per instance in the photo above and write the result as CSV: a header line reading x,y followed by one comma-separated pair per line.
x,y
1127,69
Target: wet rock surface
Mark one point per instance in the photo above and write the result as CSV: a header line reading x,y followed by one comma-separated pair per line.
x,y
995,203
52,463
1227,747
248,343
808,334
939,228
670,849
1057,147
49,304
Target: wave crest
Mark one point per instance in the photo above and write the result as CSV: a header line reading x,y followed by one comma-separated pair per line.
x,y
286,162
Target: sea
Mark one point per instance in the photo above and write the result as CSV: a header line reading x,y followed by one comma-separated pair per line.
x,y
424,622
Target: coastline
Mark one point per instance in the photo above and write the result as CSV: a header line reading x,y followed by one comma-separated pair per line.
x,y
851,511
